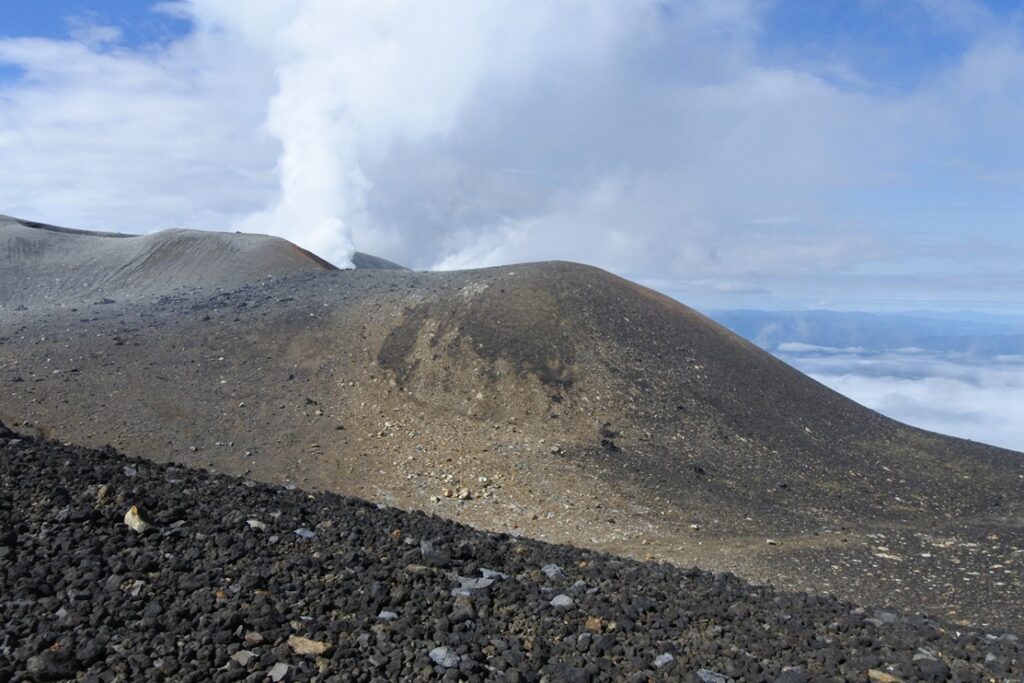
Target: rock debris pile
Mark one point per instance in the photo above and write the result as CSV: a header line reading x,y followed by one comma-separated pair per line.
x,y
121,569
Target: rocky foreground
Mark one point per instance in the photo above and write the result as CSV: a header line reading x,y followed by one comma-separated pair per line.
x,y
121,569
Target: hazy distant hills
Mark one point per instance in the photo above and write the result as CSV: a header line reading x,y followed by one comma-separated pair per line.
x,y
553,400
970,333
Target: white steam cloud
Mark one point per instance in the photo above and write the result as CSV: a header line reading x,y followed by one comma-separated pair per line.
x,y
354,78
697,145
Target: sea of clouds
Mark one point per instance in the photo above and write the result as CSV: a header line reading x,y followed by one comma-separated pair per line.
x,y
958,394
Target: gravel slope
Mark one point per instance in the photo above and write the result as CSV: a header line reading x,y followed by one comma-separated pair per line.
x,y
236,580
47,265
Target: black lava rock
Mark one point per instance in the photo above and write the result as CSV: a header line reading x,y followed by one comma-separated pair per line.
x,y
205,595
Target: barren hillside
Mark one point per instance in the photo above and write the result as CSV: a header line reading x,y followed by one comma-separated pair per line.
x,y
551,400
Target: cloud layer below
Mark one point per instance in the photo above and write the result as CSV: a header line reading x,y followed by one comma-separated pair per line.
x,y
981,400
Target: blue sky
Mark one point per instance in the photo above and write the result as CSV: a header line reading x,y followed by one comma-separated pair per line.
x,y
849,154
893,45
137,20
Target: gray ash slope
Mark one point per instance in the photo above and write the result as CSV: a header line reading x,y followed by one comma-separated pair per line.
x,y
47,264
552,400
237,580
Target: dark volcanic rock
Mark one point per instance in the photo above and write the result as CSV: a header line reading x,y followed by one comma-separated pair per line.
x,y
51,665
210,598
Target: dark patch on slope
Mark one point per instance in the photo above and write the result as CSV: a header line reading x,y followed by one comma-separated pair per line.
x,y
521,326
396,353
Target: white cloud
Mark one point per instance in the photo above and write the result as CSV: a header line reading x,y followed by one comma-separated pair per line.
x,y
651,138
134,140
978,400
93,34
800,347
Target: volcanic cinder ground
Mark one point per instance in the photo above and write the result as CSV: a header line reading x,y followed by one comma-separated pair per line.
x,y
552,400
229,580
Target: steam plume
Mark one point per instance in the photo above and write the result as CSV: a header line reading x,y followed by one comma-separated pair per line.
x,y
355,77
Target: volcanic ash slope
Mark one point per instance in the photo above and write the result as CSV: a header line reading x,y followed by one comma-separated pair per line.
x,y
551,400
46,265
233,580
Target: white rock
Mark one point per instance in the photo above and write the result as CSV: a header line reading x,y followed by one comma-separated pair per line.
x,y
445,657
552,570
561,600
133,518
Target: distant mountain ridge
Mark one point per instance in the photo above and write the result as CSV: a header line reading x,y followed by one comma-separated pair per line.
x,y
969,333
